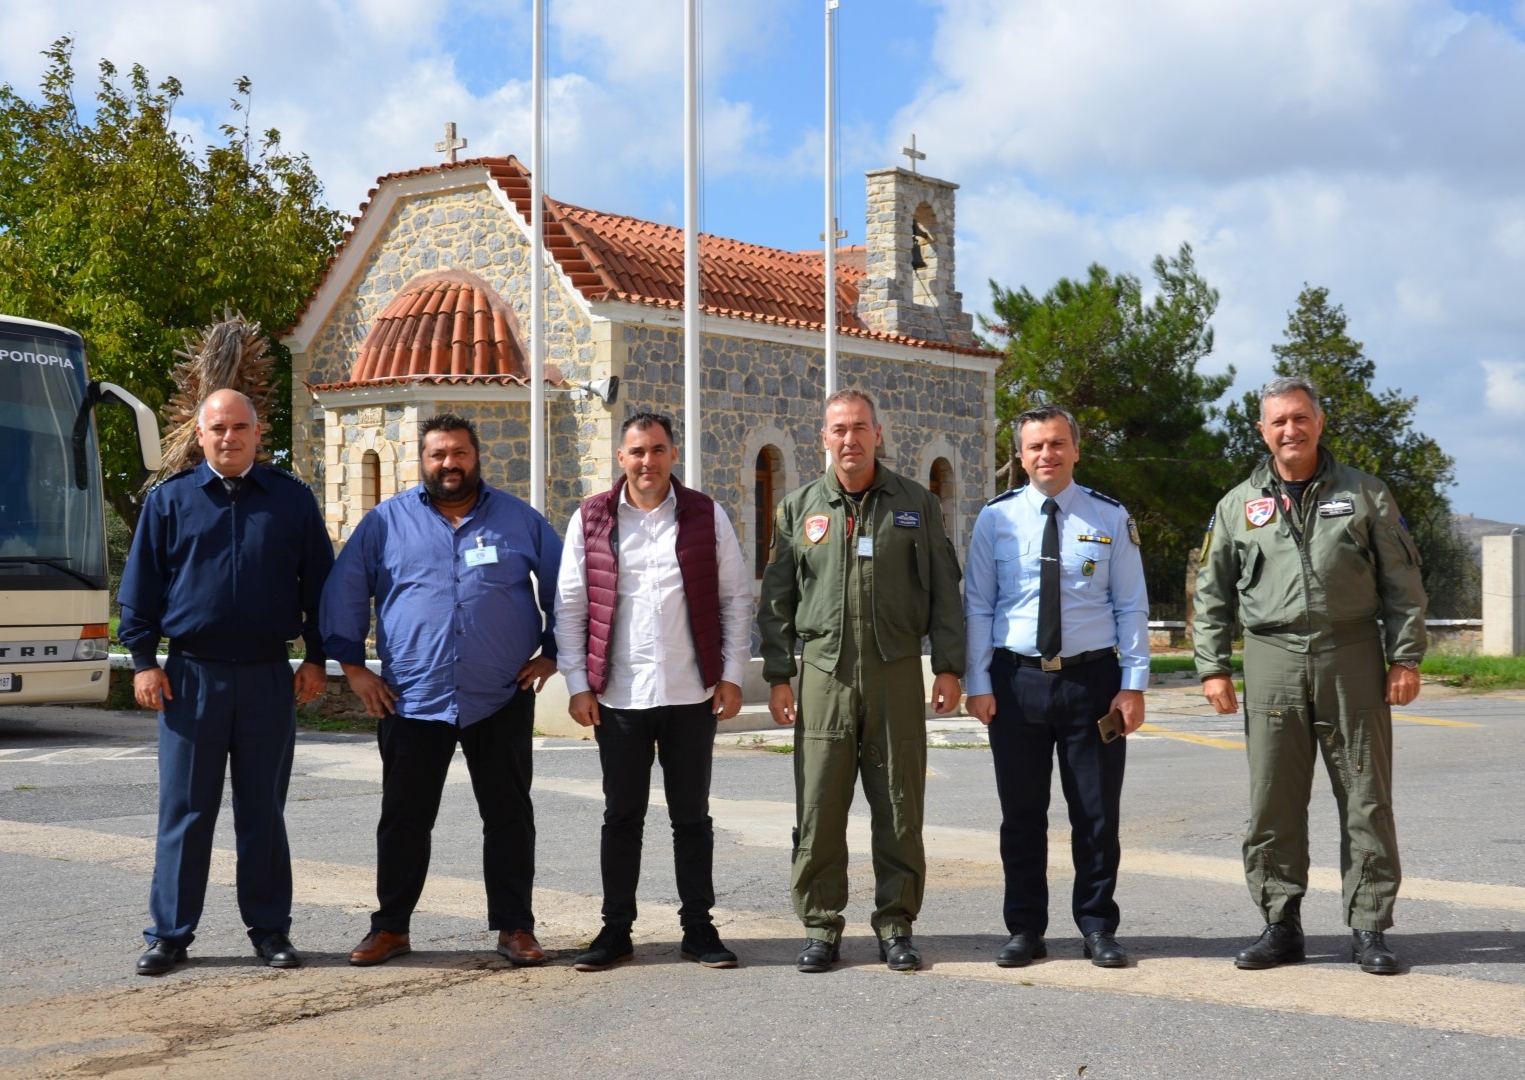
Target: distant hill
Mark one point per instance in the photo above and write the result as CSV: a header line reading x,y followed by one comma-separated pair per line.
x,y
1475,528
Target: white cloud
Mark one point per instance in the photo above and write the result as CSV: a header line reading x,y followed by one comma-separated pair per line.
x,y
1506,387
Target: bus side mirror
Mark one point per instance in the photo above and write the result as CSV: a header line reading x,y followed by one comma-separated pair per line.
x,y
148,424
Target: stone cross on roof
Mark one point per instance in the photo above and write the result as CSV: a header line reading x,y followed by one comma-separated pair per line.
x,y
451,144
910,151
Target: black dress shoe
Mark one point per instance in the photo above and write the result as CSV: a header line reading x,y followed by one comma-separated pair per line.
x,y
1279,943
1022,949
159,958
817,955
277,951
899,954
1102,949
1369,949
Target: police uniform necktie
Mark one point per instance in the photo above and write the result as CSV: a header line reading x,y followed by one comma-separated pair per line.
x,y
232,485
1049,637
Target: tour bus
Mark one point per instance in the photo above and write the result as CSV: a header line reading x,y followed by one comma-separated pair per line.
x,y
54,606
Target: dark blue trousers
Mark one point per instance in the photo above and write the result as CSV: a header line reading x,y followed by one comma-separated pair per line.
x,y
1037,712
682,737
237,719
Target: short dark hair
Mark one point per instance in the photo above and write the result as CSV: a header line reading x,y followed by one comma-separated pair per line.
x,y
448,422
643,420
851,394
1042,414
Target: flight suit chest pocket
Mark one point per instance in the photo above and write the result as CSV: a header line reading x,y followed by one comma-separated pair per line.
x,y
1250,568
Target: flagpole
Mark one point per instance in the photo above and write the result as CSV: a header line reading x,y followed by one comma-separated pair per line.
x,y
693,346
830,234
537,264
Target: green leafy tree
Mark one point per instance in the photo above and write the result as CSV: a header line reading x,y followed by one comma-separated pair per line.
x,y
112,226
1374,432
1126,367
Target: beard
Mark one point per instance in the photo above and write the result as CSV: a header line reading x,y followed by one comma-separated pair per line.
x,y
434,484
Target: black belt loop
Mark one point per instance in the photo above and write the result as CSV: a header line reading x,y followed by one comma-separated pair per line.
x,y
1055,664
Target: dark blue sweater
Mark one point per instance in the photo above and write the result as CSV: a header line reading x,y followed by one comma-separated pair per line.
x,y
224,580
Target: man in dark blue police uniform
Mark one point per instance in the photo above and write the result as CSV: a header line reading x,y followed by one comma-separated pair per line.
x,y
1058,636
228,563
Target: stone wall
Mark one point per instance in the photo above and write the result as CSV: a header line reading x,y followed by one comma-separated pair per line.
x,y
470,231
749,385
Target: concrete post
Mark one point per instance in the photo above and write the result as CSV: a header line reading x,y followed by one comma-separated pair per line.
x,y
1504,595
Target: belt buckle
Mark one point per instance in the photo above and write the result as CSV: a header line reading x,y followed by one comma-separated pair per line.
x,y
1050,663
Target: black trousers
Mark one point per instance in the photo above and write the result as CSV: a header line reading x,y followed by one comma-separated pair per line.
x,y
682,738
415,756
1038,711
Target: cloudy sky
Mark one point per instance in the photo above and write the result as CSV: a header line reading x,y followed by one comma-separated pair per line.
x,y
1376,147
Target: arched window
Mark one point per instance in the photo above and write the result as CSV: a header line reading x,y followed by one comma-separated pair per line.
x,y
940,483
769,479
370,480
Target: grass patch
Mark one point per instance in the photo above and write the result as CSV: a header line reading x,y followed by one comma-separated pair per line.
x,y
307,721
1476,672
25,787
1170,665
958,746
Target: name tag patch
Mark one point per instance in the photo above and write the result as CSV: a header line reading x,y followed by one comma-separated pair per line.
x,y
908,519
481,556
1336,508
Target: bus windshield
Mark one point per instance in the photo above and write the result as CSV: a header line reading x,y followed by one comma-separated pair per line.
x,y
52,535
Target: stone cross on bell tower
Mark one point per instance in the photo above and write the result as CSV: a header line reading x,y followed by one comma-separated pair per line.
x,y
450,144
908,284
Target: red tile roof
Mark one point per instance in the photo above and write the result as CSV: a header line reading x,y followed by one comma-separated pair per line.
x,y
446,323
613,257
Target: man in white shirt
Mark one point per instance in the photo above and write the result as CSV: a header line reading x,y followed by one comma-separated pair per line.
x,y
653,633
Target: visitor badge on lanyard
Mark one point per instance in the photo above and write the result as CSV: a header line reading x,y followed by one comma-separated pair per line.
x,y
481,556
866,546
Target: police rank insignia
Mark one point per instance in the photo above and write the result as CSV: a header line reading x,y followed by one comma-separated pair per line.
x,y
1259,512
1133,533
816,526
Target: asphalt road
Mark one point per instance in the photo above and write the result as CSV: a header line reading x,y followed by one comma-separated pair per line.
x,y
77,817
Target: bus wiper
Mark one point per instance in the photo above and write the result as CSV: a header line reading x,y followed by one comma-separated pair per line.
x,y
54,561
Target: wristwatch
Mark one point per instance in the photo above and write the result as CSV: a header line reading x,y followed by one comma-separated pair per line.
x,y
1412,665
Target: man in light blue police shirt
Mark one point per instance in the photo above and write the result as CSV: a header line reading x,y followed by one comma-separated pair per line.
x,y
1058,636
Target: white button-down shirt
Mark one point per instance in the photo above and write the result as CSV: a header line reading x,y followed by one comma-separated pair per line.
x,y
652,659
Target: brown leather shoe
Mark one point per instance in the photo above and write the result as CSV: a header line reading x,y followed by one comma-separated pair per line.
x,y
520,947
378,947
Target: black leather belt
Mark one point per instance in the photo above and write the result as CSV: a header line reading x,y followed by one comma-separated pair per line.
x,y
1055,663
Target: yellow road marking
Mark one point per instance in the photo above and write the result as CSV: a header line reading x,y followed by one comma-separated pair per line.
x,y
1186,736
1433,721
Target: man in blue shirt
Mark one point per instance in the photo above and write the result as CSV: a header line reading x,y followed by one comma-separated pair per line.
x,y
228,562
458,625
1058,636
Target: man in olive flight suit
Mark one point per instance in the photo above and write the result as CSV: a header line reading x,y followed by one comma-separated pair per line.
x,y
860,570
1310,554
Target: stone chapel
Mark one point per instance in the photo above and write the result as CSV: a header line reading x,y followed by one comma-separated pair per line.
x,y
425,308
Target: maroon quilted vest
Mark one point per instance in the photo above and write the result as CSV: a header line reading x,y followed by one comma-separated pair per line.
x,y
696,562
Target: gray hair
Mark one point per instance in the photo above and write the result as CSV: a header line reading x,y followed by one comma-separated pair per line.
x,y
201,410
843,396
1042,414
1290,384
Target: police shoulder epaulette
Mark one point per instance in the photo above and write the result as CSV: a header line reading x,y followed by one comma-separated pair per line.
x,y
174,476
1007,494
1104,498
284,475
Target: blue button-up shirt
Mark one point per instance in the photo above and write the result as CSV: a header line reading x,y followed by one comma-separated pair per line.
x,y
457,615
1103,602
